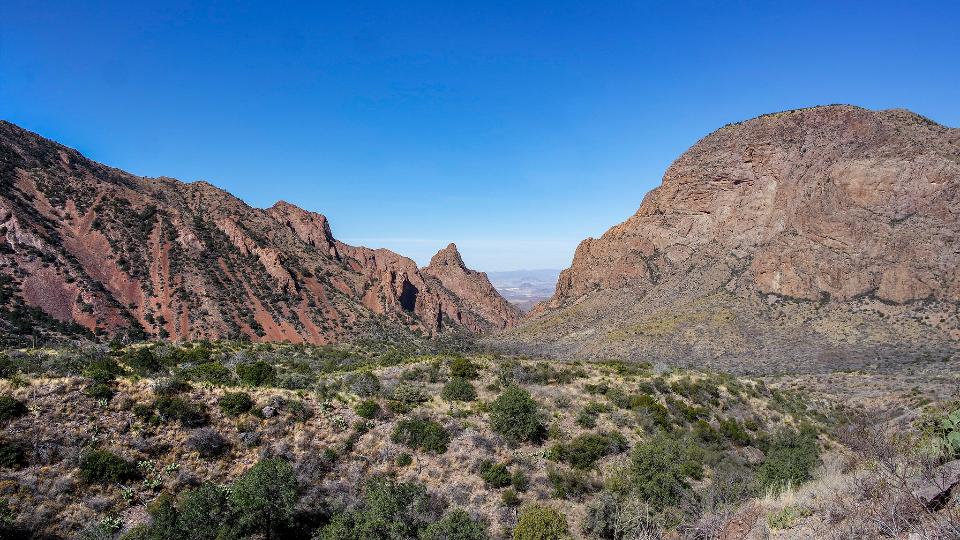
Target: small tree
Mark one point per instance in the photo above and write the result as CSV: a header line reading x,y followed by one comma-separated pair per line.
x,y
516,416
258,373
459,389
541,523
264,497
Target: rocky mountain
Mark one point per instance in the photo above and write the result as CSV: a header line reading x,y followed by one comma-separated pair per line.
x,y
816,235
85,248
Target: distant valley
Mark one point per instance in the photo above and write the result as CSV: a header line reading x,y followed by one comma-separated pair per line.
x,y
525,288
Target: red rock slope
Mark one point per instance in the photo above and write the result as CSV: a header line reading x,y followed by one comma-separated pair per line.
x,y
85,246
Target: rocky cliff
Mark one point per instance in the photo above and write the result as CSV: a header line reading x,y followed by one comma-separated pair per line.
x,y
831,231
85,248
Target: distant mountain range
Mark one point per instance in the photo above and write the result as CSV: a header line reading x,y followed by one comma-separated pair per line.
x,y
525,288
88,249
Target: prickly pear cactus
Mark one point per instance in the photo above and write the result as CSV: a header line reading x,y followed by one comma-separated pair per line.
x,y
951,433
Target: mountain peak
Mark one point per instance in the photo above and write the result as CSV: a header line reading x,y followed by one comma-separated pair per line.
x,y
448,256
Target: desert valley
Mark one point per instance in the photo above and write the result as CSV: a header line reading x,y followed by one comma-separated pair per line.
x,y
768,348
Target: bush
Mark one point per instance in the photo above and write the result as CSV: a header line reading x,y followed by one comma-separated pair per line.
x,y
496,475
421,434
235,403
459,389
172,408
11,408
409,394
207,442
389,509
457,524
660,467
404,460
214,373
13,455
364,384
264,497
791,459
516,416
103,370
520,481
569,484
143,361
463,368
541,523
100,391
734,431
104,467
367,408
258,373
510,498
586,449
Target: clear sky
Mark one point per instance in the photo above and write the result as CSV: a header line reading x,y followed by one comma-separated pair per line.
x,y
515,129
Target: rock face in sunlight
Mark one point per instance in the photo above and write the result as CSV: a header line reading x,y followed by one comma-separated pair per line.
x,y
834,227
85,248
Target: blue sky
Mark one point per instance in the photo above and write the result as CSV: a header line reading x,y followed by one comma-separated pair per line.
x,y
515,129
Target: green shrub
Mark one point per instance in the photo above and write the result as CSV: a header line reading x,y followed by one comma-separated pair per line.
x,y
104,467
463,368
569,484
404,460
459,389
103,370
409,394
734,431
258,373
11,408
389,509
13,455
235,403
791,459
100,391
659,470
519,480
510,498
455,525
364,384
172,408
214,373
496,475
264,497
421,434
516,416
587,419
541,523
583,451
367,408
143,361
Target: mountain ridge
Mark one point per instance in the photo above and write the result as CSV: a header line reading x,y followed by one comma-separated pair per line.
x,y
87,246
768,228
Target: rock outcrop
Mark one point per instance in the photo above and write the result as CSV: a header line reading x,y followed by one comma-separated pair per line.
x,y
790,226
85,248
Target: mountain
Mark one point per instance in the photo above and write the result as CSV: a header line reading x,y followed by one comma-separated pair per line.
x,y
813,236
85,248
525,288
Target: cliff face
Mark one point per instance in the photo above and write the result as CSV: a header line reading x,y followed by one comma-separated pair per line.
x,y
84,246
837,209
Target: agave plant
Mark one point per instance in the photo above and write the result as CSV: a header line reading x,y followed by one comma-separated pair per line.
x,y
951,433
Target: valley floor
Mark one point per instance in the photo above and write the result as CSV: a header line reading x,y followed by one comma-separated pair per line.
x,y
231,440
